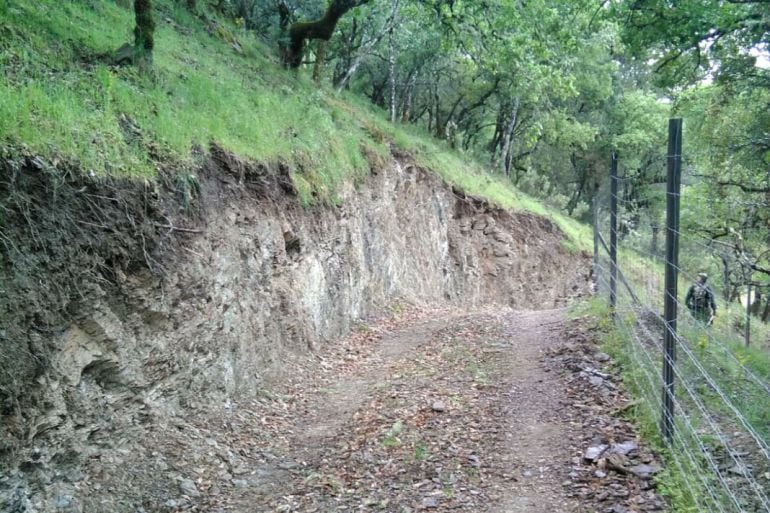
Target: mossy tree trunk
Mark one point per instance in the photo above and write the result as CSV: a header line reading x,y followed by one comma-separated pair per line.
x,y
320,57
322,28
143,33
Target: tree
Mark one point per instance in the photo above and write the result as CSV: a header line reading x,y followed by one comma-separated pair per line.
x,y
726,210
144,40
359,42
705,52
691,39
322,28
140,53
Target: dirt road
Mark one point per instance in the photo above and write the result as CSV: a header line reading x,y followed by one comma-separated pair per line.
x,y
459,412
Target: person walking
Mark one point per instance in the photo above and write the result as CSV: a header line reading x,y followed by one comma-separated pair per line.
x,y
700,300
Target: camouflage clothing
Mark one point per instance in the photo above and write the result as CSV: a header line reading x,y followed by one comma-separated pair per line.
x,y
700,300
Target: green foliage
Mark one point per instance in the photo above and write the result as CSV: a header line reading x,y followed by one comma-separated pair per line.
x,y
188,187
692,39
722,353
638,125
214,82
61,99
469,70
712,58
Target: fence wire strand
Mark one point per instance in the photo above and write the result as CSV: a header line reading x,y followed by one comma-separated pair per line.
x,y
686,424
718,446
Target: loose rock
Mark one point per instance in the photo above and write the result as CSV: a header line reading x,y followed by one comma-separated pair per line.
x,y
624,448
187,487
429,503
644,471
593,453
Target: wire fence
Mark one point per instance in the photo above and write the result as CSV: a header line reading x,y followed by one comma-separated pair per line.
x,y
711,400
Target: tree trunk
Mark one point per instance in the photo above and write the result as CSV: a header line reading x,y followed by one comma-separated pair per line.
x,y
430,115
581,178
378,92
392,75
480,102
284,17
351,65
342,84
392,63
655,227
437,126
417,115
406,111
143,33
468,136
320,55
322,28
747,333
348,63
497,137
726,279
448,123
735,293
506,151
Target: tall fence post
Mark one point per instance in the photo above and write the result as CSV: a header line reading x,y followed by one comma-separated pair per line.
x,y
673,186
613,232
747,333
595,221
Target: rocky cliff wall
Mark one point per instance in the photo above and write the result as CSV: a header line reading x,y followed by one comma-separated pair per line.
x,y
208,306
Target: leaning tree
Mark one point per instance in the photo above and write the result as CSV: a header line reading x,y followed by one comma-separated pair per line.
x,y
322,29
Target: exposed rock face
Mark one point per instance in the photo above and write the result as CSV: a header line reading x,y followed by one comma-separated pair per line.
x,y
257,278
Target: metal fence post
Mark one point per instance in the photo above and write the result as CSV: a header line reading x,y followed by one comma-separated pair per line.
x,y
613,231
673,186
747,333
595,222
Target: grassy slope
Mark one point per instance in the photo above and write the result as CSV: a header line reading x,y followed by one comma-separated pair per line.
x,y
60,100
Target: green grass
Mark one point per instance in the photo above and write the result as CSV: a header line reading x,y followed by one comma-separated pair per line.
x,y
60,99
473,178
724,357
420,451
391,438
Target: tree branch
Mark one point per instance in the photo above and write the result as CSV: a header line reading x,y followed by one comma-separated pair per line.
x,y
743,187
322,28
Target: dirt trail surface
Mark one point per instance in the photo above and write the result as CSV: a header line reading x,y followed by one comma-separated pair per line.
x,y
490,411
